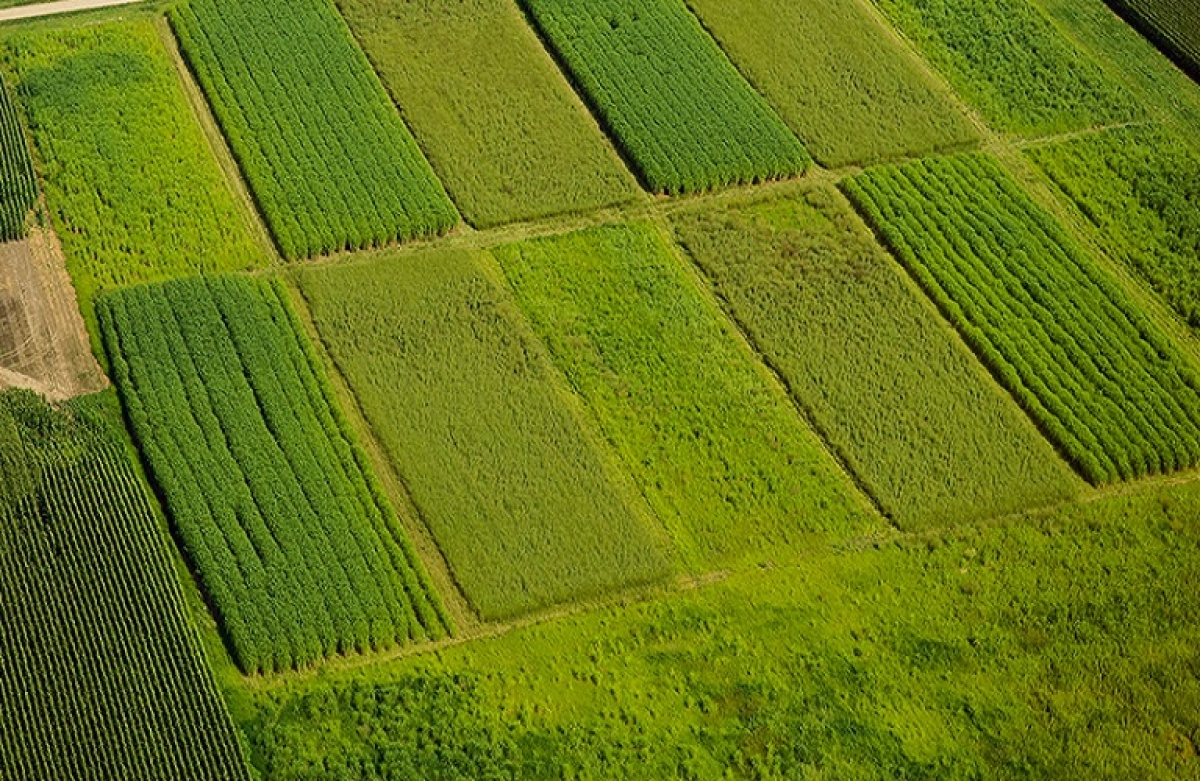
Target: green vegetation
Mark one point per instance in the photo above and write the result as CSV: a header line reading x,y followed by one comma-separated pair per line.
x,y
714,442
270,495
928,434
1140,188
18,187
492,111
100,672
1056,646
841,81
673,102
1174,25
521,500
133,189
1104,384
1008,61
329,160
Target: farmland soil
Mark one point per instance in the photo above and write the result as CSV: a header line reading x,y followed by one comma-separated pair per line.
x,y
43,343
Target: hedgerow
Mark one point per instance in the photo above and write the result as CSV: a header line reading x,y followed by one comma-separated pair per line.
x,y
101,676
1102,381
517,491
273,500
18,188
325,152
674,103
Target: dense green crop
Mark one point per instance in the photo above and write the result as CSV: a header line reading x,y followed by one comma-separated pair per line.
x,y
133,189
517,493
18,188
674,103
270,494
1172,24
492,111
1008,61
1104,384
927,432
327,156
1060,646
719,450
101,676
837,78
1140,187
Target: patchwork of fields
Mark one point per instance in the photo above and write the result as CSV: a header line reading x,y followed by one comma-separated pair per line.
x,y
600,388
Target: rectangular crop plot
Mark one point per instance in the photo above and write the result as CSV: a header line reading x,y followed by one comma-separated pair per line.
x,y
1140,188
904,403
1104,384
674,103
269,492
490,108
325,152
101,675
837,77
18,188
720,452
133,189
520,497
1172,24
1008,61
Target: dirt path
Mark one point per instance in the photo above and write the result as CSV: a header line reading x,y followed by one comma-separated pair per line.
x,y
43,343
63,7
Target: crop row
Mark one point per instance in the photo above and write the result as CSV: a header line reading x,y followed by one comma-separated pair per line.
x,y
272,498
1100,379
323,148
18,190
100,673
1173,25
675,104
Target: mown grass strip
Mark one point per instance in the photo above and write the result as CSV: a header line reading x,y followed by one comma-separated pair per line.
x,y
274,501
1099,378
673,102
518,495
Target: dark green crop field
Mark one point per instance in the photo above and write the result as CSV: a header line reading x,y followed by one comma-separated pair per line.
x,y
720,390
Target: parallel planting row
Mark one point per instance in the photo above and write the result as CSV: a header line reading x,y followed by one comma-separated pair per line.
x,y
18,189
676,106
1106,386
273,500
1172,24
329,159
101,676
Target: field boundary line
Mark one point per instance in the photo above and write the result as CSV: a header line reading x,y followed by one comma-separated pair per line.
x,y
37,10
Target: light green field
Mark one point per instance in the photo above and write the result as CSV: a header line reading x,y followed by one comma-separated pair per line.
x,y
714,441
1007,60
837,77
931,437
1061,646
133,188
1139,187
521,499
490,108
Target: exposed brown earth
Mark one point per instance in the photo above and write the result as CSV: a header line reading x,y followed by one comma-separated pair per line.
x,y
43,343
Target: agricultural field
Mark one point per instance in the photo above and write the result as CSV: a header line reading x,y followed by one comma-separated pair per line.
x,y
674,104
328,158
720,453
291,537
838,78
1140,188
101,674
499,122
1101,380
1172,24
527,506
930,436
18,188
132,187
1011,64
